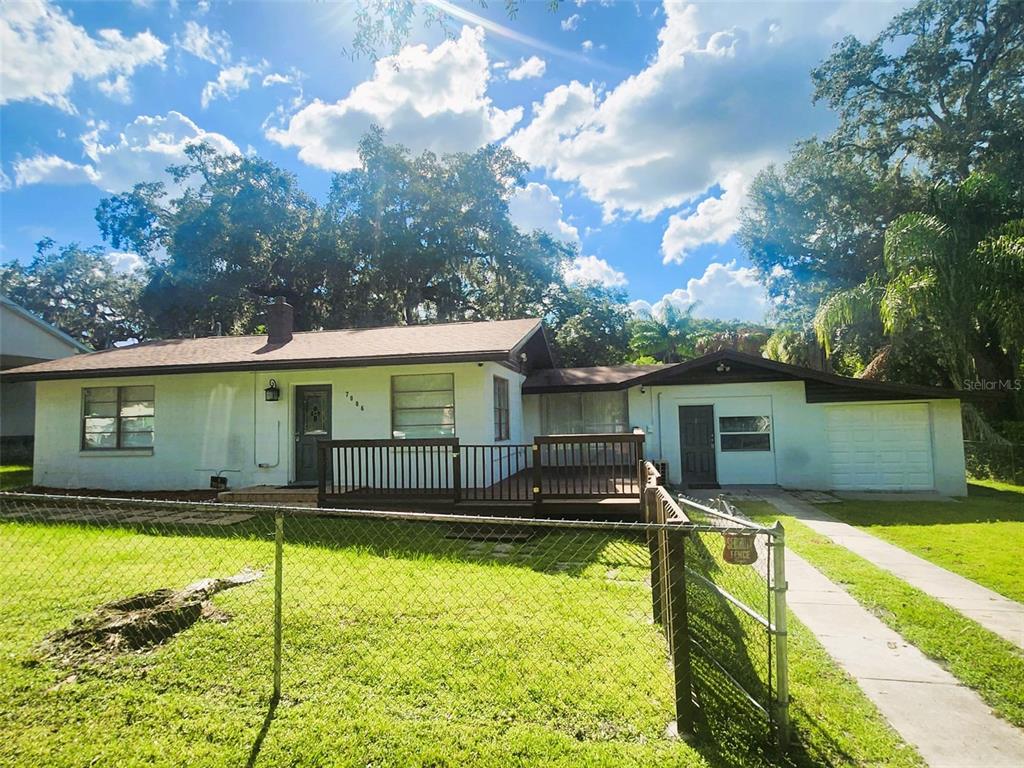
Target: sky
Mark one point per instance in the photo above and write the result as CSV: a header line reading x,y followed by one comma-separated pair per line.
x,y
643,122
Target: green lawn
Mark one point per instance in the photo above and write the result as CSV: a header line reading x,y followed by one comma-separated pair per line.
x,y
402,648
14,476
977,657
980,537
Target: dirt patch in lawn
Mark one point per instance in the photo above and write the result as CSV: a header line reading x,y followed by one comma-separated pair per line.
x,y
140,622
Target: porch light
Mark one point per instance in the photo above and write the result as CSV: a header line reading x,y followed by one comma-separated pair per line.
x,y
723,368
273,392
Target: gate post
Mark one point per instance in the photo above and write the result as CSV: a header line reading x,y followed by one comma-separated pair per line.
x,y
680,631
779,587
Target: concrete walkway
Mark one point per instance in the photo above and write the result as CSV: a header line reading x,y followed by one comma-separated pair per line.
x,y
996,613
948,723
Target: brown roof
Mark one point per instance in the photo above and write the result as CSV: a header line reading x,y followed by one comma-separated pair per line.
x,y
597,377
447,342
821,386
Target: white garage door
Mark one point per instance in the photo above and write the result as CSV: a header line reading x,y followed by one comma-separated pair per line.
x,y
881,447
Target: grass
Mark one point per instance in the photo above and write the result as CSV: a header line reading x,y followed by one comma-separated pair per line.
x,y
13,476
977,657
402,648
980,537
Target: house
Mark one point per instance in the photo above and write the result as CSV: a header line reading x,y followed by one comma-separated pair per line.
x,y
24,339
470,411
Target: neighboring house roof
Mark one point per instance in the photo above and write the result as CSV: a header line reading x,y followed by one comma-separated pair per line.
x,y
42,324
500,340
727,367
600,377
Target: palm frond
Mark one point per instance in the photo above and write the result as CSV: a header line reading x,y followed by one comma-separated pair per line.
x,y
851,306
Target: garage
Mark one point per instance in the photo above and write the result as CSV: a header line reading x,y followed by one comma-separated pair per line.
x,y
885,447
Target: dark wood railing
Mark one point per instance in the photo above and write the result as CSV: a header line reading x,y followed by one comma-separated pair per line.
x,y
588,466
552,467
364,468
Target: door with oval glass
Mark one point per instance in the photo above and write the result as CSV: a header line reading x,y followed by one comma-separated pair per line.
x,y
312,423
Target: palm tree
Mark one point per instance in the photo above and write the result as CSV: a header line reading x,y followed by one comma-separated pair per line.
x,y
669,340
953,276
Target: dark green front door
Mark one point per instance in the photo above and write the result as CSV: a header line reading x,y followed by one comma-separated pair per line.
x,y
312,423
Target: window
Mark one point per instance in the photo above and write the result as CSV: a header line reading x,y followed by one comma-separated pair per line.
x,y
501,412
117,417
582,413
745,433
423,405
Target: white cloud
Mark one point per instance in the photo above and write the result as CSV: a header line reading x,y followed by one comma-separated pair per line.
x,y
5,181
214,47
531,67
570,24
535,206
118,89
587,46
425,99
51,169
727,91
276,78
141,152
714,220
43,53
724,291
125,262
590,269
231,81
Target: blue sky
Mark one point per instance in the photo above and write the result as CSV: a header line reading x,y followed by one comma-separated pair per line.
x,y
643,122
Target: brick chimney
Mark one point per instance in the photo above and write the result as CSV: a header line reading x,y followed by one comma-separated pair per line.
x,y
280,322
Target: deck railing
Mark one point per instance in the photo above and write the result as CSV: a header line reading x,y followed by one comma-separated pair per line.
x,y
551,467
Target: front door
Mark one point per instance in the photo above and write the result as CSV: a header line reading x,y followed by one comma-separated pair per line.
x,y
312,423
697,444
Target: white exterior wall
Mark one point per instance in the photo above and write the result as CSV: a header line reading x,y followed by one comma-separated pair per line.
x,y
799,457
21,337
210,422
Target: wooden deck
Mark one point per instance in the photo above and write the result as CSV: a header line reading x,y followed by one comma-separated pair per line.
x,y
563,476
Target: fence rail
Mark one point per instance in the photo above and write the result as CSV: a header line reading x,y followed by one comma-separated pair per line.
x,y
564,467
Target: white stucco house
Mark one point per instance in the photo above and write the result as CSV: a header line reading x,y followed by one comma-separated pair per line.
x,y
25,339
264,410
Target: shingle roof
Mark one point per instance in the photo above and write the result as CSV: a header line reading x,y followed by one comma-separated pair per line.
x,y
597,377
448,342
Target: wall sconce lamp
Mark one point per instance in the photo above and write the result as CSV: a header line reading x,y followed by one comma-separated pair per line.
x,y
723,368
273,392
643,389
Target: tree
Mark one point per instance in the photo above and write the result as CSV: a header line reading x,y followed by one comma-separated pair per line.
x,y
590,325
669,339
953,278
940,86
430,237
388,23
817,224
77,290
240,229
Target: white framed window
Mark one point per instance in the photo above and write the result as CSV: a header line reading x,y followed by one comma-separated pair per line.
x,y
502,413
584,413
116,418
423,405
745,433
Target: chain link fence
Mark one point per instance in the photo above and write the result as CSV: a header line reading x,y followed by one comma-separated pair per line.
x,y
996,461
120,618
